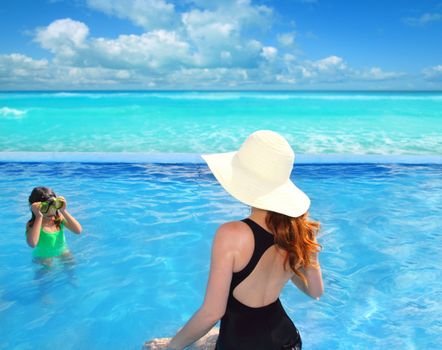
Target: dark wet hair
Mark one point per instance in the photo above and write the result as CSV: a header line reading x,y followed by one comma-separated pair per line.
x,y
42,194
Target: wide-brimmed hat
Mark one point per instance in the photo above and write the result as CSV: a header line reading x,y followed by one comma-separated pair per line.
x,y
258,174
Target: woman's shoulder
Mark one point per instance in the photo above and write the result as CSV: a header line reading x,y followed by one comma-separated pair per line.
x,y
233,226
234,231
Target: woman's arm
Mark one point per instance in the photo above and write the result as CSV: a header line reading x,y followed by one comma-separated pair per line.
x,y
33,234
72,224
315,287
314,278
217,292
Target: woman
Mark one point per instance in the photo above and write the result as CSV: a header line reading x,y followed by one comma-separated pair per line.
x,y
252,259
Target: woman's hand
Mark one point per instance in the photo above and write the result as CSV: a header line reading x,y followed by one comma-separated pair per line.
x,y
207,342
35,207
157,344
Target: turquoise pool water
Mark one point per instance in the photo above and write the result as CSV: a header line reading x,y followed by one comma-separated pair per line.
x,y
204,122
141,264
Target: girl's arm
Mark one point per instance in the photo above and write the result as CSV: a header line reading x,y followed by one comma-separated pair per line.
x,y
33,234
217,292
72,224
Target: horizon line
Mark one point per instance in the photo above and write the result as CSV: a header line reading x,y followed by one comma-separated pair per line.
x,y
216,90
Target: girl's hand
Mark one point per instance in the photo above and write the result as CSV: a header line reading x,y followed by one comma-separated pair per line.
x,y
64,203
35,207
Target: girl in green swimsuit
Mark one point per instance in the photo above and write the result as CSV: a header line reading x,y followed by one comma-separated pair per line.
x,y
44,231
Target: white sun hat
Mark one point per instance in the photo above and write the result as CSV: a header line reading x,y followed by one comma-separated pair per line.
x,y
258,174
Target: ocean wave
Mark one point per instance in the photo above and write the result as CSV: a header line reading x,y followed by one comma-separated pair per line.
x,y
66,94
91,95
6,111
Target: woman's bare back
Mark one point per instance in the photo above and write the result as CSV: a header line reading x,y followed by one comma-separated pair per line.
x,y
267,279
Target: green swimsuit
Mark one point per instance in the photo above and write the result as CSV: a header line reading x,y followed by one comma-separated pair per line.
x,y
50,244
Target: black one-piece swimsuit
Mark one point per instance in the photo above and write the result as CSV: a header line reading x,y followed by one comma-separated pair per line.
x,y
256,328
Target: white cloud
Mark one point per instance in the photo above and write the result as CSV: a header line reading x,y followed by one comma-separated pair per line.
x,y
24,72
148,14
331,69
376,73
20,68
160,14
62,32
269,53
242,11
207,30
212,44
154,51
22,61
63,37
218,34
95,76
214,32
423,19
204,43
286,39
329,63
433,73
160,58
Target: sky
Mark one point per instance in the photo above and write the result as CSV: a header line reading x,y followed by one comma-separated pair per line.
x,y
220,45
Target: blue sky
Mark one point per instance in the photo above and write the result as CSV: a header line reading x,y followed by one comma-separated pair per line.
x,y
220,44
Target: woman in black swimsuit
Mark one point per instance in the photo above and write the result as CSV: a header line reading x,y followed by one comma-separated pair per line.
x,y
252,259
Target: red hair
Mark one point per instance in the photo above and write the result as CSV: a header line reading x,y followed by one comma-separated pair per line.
x,y
297,236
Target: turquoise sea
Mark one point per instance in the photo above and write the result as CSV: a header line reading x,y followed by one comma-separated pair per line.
x,y
198,122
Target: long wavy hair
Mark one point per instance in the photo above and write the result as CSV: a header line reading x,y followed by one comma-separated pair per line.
x,y
41,194
297,236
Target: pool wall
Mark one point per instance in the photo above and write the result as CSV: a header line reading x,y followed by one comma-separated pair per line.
x,y
193,158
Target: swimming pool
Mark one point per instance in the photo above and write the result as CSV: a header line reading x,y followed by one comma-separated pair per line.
x,y
142,261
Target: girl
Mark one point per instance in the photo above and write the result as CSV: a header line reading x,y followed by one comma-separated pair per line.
x,y
44,231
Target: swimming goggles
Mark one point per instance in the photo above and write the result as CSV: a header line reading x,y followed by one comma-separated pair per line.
x,y
55,202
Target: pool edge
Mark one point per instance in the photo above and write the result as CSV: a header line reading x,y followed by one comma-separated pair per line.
x,y
195,158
